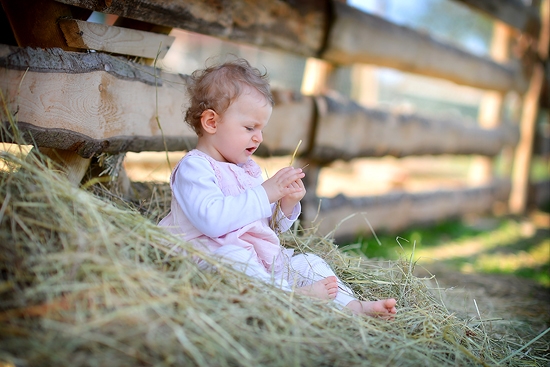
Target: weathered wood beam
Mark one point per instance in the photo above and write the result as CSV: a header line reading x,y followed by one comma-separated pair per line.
x,y
512,12
34,24
92,36
325,29
399,210
92,102
357,37
346,130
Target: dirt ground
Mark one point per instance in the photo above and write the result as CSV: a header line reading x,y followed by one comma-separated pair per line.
x,y
506,299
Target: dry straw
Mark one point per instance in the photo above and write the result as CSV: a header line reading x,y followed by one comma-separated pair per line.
x,y
88,282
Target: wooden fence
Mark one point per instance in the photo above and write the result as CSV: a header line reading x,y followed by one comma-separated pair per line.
x,y
76,104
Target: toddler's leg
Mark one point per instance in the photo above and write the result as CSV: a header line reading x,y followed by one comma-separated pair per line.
x,y
245,261
384,308
307,270
326,288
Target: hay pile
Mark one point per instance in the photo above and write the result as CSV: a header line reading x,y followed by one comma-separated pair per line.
x,y
85,282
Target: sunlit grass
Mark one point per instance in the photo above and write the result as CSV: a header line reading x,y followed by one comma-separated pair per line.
x,y
493,245
524,263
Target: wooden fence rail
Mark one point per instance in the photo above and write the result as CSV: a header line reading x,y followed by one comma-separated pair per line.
x,y
330,30
350,217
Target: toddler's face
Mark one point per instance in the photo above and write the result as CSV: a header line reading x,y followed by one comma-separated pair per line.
x,y
239,131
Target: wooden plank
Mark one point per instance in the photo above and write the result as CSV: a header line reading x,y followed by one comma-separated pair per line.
x,y
34,24
358,37
324,29
298,26
399,210
512,12
490,108
92,36
73,165
92,110
346,130
142,26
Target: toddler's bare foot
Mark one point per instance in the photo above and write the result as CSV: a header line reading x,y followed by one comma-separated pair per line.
x,y
322,289
384,308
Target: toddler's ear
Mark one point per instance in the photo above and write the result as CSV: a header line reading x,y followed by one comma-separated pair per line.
x,y
209,121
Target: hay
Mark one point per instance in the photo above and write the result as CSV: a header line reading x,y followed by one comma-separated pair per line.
x,y
87,282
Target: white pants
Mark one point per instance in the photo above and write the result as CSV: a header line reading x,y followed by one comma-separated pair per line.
x,y
300,270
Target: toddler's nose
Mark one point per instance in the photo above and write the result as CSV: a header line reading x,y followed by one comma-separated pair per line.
x,y
258,137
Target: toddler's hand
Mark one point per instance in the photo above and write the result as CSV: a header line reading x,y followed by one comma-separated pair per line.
x,y
289,201
286,181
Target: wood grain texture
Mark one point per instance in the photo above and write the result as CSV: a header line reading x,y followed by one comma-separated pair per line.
x,y
99,37
98,111
68,101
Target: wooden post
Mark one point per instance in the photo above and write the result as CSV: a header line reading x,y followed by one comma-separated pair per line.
x,y
316,76
364,81
34,24
364,85
524,150
490,109
315,82
73,165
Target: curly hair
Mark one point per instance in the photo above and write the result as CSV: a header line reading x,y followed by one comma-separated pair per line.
x,y
217,86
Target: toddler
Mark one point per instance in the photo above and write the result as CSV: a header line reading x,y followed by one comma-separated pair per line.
x,y
221,204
